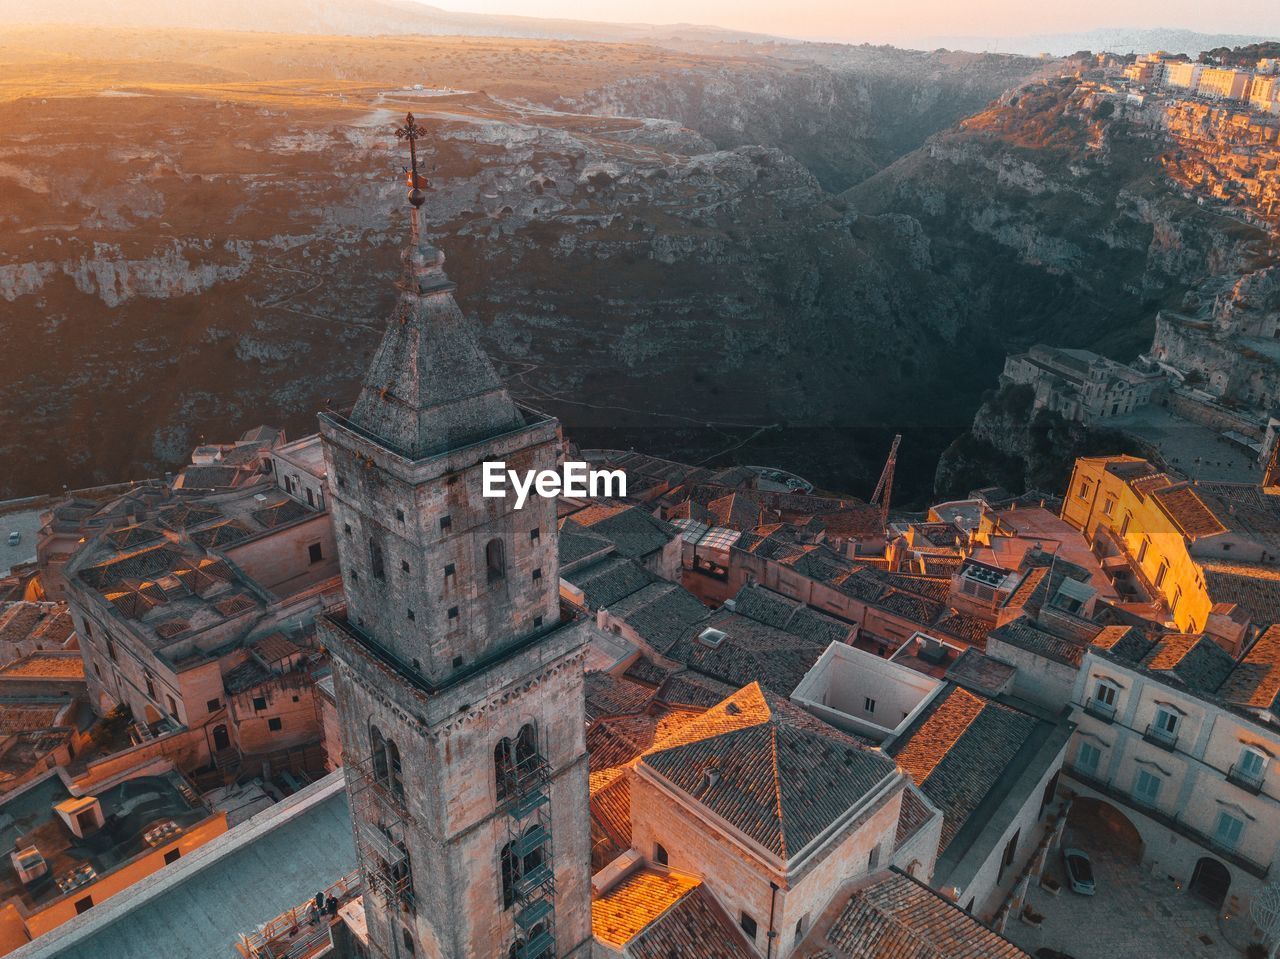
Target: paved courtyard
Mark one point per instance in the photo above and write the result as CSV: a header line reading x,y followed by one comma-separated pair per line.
x,y
1193,450
1133,916
26,524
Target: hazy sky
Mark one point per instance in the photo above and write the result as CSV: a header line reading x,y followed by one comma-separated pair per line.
x,y
897,20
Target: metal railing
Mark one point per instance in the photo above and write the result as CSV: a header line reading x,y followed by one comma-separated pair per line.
x,y
1100,710
1247,779
1159,736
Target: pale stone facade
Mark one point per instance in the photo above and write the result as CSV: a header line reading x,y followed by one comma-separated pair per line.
x,y
458,684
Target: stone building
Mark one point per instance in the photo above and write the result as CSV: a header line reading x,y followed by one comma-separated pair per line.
x,y
1081,385
1208,552
1175,754
173,587
457,678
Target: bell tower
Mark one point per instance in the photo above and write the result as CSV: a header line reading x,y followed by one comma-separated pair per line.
x,y
459,684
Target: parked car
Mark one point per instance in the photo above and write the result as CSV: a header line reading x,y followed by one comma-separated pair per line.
x,y
1079,871
15,538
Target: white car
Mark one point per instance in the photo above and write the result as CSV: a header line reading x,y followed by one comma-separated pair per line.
x,y
15,538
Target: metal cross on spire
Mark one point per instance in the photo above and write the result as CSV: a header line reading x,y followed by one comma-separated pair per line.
x,y
412,132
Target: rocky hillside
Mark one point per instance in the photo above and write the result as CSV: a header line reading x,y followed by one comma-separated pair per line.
x,y
1059,217
199,243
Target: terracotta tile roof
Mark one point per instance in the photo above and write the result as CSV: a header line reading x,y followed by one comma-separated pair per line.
x,y
958,749
610,792
645,670
609,580
278,514
47,664
915,813
622,912
693,689
1194,659
1252,587
221,534
1255,682
1025,633
750,651
186,515
576,543
633,531
609,695
1188,512
769,768
976,669
660,613
275,647
895,917
694,928
128,537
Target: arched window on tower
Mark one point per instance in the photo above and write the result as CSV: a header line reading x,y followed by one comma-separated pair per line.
x,y
376,566
514,951
495,560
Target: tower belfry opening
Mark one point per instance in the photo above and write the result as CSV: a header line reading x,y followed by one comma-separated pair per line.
x,y
458,678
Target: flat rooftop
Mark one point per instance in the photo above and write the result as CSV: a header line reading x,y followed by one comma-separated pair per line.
x,y
200,905
129,809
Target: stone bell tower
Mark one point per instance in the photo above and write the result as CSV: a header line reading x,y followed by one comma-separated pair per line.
x,y
459,685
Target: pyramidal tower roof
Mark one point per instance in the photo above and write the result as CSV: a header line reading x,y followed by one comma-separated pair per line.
x,y
431,388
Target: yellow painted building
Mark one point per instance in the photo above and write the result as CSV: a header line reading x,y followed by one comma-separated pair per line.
x,y
1196,549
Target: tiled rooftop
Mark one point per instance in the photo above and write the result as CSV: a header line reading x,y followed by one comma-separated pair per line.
x,y
694,926
625,910
958,749
769,768
892,916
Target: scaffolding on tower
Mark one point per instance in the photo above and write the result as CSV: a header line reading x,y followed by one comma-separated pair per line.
x,y
525,799
382,822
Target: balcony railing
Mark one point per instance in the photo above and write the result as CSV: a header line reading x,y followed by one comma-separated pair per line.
x,y
1249,780
1100,710
1159,736
1171,822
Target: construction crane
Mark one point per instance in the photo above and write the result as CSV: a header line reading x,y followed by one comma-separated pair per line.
x,y
884,488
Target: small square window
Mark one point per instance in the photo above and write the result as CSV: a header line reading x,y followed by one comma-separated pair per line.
x,y
748,925
535,534
213,705
453,612
411,616
404,566
449,569
315,553
295,699
346,528
399,514
172,856
537,575
274,724
342,481
84,905
355,576
445,523
259,703
537,622
457,661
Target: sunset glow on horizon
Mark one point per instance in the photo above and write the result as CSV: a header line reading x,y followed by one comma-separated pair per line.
x,y
903,22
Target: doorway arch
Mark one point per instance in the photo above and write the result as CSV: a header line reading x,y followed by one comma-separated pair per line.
x,y
1097,825
1210,882
221,738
